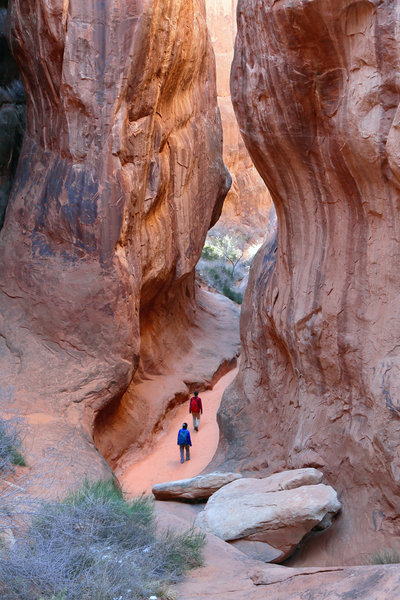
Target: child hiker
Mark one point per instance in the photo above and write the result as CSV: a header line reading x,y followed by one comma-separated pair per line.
x,y
184,441
196,408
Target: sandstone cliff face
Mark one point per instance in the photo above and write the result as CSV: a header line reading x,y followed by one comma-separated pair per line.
x,y
248,201
12,115
120,177
315,89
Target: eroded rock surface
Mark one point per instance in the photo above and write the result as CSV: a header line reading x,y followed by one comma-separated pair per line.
x,y
248,201
197,488
256,581
120,177
277,511
316,95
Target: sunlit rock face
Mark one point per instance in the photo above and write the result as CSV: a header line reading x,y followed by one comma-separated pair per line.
x,y
119,179
248,201
316,93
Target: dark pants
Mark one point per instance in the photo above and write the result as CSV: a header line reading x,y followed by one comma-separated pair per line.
x,y
181,448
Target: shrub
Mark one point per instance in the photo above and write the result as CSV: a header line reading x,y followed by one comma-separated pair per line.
x,y
226,259
384,556
10,444
229,293
96,545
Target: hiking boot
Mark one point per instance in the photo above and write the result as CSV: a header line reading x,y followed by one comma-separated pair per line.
x,y
182,461
188,458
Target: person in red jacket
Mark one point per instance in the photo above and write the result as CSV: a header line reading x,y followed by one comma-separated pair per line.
x,y
196,408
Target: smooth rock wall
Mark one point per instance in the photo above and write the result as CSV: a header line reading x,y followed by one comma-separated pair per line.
x,y
120,177
315,89
248,201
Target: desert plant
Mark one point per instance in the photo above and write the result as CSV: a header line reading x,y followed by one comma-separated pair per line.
x,y
227,245
226,260
10,444
95,544
384,556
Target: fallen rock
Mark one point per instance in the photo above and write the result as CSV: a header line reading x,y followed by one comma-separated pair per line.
x,y
248,509
195,488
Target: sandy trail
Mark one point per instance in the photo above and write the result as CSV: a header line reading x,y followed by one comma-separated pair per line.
x,y
163,463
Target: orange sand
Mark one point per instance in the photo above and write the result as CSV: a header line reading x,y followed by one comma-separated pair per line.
x,y
163,464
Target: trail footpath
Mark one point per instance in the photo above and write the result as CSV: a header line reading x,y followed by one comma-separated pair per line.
x,y
163,462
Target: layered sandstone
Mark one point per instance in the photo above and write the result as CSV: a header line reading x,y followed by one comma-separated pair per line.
x,y
120,177
316,94
248,201
12,116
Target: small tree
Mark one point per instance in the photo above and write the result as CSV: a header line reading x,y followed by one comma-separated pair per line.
x,y
229,246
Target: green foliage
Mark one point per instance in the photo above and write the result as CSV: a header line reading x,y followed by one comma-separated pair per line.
x,y
229,293
209,252
227,246
10,444
183,552
96,545
384,557
226,259
17,458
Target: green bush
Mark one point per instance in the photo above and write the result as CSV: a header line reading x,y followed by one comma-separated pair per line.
x,y
384,556
209,253
229,293
226,259
95,545
10,444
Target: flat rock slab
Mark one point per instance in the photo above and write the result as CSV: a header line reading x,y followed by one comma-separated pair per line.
x,y
200,487
247,509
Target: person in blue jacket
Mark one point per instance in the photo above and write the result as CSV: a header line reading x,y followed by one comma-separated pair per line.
x,y
184,442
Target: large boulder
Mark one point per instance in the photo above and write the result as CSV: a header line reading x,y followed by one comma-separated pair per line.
x,y
314,85
258,510
200,487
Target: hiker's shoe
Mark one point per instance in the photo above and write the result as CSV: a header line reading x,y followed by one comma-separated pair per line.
x,y
188,459
182,461
196,428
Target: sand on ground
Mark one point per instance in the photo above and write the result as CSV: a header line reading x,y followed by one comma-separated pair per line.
x,y
163,463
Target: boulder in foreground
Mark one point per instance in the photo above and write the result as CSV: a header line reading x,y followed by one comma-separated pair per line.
x,y
200,487
260,510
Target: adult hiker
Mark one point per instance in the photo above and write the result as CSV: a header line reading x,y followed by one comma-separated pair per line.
x,y
184,442
196,408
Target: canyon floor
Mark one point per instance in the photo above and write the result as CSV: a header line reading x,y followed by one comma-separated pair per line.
x,y
162,463
228,573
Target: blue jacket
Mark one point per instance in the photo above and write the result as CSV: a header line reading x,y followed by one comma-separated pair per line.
x,y
184,437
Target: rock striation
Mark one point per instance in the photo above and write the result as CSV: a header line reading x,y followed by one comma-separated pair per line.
x,y
315,90
276,511
119,178
200,487
248,201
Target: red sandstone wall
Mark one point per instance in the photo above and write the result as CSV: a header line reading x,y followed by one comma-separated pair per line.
x,y
248,201
120,177
316,94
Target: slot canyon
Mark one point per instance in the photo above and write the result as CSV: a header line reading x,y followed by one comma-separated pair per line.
x,y
129,129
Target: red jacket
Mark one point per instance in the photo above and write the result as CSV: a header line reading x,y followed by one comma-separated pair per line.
x,y
199,404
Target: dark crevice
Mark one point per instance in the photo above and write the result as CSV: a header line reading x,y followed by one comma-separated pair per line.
x,y
12,115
